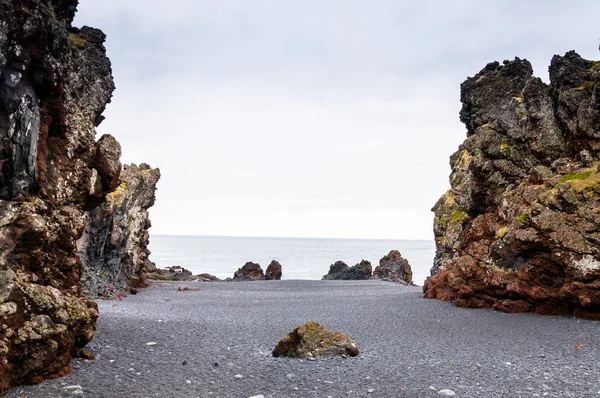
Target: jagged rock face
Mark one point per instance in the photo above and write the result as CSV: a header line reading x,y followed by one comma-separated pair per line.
x,y
114,246
520,228
249,272
274,271
55,82
312,340
341,271
394,268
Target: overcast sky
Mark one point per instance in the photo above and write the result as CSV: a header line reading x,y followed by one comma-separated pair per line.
x,y
328,118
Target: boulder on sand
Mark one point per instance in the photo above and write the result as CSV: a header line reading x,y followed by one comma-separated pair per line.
x,y
273,271
341,271
312,340
249,272
394,268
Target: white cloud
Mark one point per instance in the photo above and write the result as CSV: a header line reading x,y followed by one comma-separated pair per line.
x,y
262,115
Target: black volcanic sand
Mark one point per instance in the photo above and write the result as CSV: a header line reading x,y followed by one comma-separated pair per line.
x,y
409,345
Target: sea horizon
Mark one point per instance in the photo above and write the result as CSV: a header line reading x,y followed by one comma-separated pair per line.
x,y
303,258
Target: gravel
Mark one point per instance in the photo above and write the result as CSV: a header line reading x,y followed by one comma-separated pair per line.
x,y
410,347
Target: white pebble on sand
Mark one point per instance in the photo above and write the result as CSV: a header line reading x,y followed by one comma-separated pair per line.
x,y
447,393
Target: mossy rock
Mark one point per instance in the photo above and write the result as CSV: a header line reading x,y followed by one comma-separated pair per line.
x,y
312,340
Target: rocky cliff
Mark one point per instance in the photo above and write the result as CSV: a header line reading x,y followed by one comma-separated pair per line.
x,y
114,246
520,228
55,81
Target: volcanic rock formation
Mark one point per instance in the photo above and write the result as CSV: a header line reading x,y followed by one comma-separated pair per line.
x,y
273,271
114,246
249,272
312,340
520,228
341,271
55,81
394,268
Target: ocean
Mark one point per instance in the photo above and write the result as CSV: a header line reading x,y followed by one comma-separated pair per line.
x,y
301,258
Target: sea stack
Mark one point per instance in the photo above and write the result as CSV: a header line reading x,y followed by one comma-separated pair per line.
x,y
518,231
394,268
341,271
56,81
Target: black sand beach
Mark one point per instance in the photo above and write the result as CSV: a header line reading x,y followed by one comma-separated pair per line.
x,y
410,347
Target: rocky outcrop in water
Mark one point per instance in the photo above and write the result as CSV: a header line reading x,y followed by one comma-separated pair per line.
x,y
274,271
55,81
394,268
520,228
114,246
341,271
249,272
312,340
175,273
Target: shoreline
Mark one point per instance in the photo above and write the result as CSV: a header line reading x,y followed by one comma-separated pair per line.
x,y
417,345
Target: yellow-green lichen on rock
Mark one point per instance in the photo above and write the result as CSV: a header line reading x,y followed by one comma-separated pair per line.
x,y
312,340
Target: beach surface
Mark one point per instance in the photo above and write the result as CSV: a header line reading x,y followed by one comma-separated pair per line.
x,y
215,340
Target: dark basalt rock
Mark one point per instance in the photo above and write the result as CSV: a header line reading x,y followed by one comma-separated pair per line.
x,y
518,231
175,273
207,278
114,246
312,340
249,272
394,268
341,271
274,271
55,81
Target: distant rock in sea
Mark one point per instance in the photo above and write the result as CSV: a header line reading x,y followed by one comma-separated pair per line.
x,y
341,271
518,230
207,278
175,273
394,268
312,340
274,271
249,272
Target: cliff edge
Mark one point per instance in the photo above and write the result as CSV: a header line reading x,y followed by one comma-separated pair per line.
x,y
55,81
519,230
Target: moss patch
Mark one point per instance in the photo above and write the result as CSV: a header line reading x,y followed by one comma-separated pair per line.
x,y
76,41
584,87
501,233
458,216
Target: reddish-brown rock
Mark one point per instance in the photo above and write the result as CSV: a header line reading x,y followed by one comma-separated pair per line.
x,y
519,229
249,272
394,268
274,271
55,83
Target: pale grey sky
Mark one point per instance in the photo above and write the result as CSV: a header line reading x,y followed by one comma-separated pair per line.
x,y
310,118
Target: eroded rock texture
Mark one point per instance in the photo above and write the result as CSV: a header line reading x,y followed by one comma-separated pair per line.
x,y
249,272
114,246
274,271
520,228
312,340
341,271
55,82
393,268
